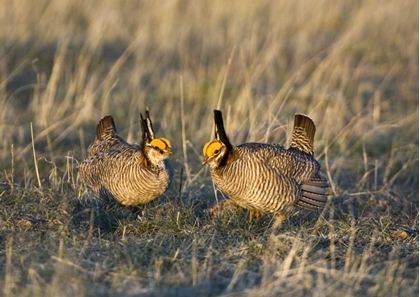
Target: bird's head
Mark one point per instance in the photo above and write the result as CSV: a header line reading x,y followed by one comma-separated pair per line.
x,y
214,152
158,149
217,152
155,149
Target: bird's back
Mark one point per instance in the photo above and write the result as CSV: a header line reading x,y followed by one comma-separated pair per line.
x,y
289,162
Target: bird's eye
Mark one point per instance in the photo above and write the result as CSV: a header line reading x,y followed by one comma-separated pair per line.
x,y
216,152
156,148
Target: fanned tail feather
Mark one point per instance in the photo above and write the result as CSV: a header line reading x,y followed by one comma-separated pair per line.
x,y
106,126
303,134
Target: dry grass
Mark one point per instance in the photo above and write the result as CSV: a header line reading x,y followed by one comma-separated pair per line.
x,y
350,65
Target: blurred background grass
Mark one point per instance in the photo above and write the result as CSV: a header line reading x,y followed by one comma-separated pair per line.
x,y
352,66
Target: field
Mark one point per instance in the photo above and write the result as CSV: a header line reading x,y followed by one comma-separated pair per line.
x,y
352,66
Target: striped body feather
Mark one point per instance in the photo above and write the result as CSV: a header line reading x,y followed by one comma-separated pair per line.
x,y
268,178
123,171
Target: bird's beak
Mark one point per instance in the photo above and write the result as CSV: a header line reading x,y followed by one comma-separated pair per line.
x,y
169,152
205,160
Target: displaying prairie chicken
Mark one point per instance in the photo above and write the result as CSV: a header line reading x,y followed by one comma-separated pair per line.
x,y
268,178
133,174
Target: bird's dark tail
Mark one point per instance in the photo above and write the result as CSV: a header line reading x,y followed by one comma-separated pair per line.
x,y
106,128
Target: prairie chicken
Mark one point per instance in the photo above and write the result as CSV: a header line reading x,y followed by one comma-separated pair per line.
x,y
268,178
133,174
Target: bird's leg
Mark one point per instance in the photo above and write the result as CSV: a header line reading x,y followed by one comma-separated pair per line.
x,y
222,206
254,213
137,211
251,215
280,218
258,215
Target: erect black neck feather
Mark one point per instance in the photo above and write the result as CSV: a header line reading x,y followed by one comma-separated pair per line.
x,y
220,130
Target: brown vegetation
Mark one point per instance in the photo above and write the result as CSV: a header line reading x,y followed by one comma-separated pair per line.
x,y
352,66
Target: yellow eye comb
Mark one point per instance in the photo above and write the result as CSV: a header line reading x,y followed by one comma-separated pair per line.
x,y
211,148
161,143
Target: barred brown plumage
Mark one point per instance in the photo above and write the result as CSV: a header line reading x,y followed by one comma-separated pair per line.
x,y
133,174
268,178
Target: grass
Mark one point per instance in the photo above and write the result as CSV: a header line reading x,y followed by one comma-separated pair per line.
x,y
351,66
